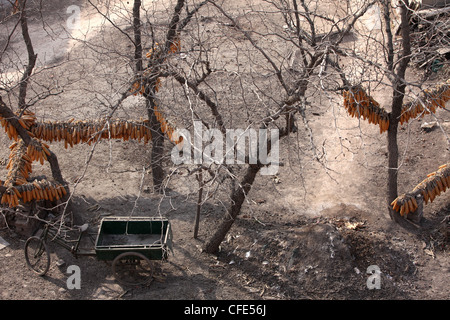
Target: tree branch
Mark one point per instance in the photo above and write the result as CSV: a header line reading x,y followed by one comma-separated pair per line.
x,y
211,104
137,35
31,57
255,45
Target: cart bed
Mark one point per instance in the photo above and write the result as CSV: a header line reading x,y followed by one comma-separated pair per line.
x,y
117,240
149,236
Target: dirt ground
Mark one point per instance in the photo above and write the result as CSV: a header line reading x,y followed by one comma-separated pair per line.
x,y
306,233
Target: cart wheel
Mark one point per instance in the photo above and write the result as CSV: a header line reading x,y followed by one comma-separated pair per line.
x,y
37,255
132,268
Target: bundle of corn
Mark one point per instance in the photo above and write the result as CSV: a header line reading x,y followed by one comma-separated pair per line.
x,y
20,158
19,164
435,184
359,104
38,150
80,131
406,203
139,88
26,121
140,130
167,128
175,46
10,130
10,197
129,129
41,190
151,52
20,167
61,130
154,53
36,190
428,103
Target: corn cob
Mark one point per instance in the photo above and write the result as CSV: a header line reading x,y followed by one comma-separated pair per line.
x,y
358,104
431,187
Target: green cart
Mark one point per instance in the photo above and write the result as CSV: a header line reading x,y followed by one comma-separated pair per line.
x,y
131,243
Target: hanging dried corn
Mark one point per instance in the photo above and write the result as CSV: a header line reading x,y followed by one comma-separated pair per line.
x,y
166,127
150,52
26,121
30,191
427,103
75,132
21,157
72,133
175,46
38,151
435,184
139,88
19,164
359,104
19,168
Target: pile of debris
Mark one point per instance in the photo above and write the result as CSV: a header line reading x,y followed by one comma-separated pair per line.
x,y
430,38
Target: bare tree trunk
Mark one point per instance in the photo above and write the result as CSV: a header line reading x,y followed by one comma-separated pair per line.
x,y
157,153
157,135
392,188
237,199
31,56
137,35
397,103
199,203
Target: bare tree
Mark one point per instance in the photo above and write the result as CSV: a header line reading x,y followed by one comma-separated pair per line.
x,y
306,38
222,65
393,65
25,149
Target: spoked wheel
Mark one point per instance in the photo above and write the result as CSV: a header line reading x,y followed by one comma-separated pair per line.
x,y
132,268
37,255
